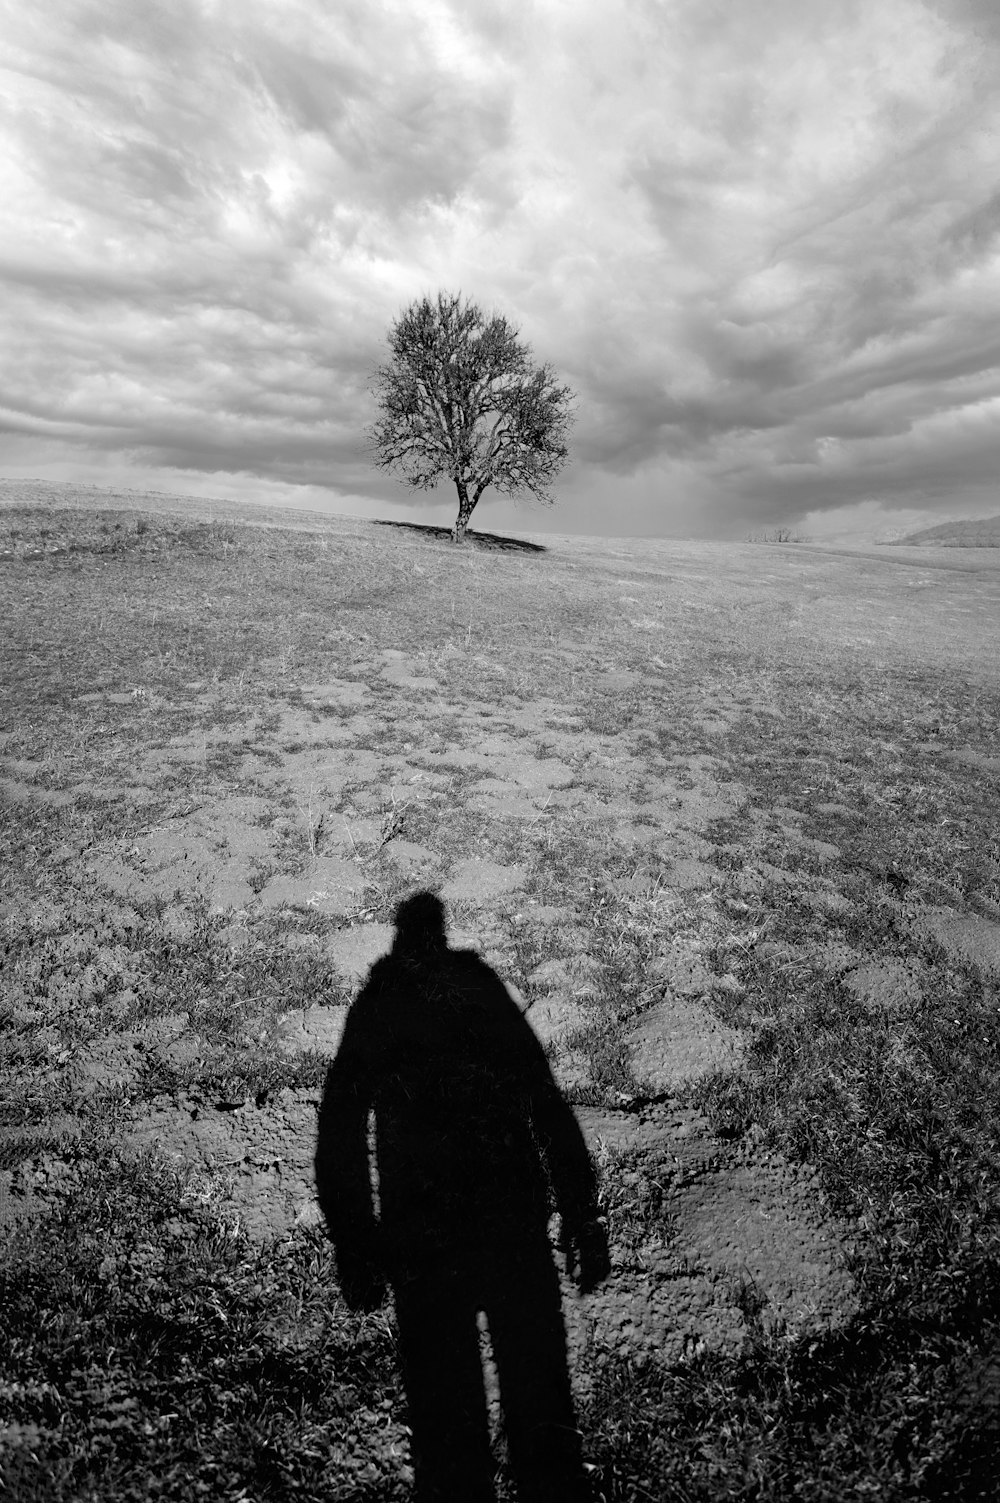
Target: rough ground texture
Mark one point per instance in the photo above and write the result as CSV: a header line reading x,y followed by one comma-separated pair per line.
x,y
611,864
684,1293
731,1219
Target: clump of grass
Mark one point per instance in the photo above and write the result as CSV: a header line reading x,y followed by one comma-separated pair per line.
x,y
234,1074
609,1062
821,1421
898,1114
898,1110
150,1351
119,954
901,1120
121,971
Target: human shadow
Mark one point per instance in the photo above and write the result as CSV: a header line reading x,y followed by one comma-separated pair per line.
x,y
473,1144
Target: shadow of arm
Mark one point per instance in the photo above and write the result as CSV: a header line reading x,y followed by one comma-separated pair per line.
x,y
343,1176
574,1184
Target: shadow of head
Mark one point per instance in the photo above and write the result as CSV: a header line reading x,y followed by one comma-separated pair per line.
x,y
420,926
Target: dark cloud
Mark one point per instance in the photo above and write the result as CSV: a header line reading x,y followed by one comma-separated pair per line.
x,y
759,241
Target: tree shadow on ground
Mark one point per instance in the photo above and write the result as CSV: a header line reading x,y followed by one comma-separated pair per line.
x,y
491,542
473,1143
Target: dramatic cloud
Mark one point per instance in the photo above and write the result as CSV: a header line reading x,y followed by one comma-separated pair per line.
x,y
760,241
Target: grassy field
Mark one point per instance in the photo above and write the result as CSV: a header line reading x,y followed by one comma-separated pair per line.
x,y
780,764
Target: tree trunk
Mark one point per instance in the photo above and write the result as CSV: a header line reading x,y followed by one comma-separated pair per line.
x,y
466,504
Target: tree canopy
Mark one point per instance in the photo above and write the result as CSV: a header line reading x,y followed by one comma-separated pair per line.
x,y
462,399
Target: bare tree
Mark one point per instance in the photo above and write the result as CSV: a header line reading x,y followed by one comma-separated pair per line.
x,y
462,399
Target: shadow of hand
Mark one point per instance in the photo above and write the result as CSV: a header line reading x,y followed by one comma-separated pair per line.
x,y
588,1260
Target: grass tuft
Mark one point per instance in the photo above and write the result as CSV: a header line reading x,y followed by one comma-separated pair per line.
x,y
140,1323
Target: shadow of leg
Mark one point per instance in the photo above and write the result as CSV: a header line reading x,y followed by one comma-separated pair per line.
x,y
443,1376
524,1313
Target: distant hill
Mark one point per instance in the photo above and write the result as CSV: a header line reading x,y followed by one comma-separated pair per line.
x,y
984,533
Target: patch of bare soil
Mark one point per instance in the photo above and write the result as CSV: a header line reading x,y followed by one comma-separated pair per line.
x,y
677,1040
745,1240
669,793
262,1156
210,852
321,822
743,1237
971,937
745,1244
568,831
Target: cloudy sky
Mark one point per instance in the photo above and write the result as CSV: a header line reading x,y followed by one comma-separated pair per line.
x,y
759,238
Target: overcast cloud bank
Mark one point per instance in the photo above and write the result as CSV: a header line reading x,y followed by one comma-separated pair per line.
x,y
760,241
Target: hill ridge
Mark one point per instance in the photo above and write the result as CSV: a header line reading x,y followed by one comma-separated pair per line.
x,y
982,532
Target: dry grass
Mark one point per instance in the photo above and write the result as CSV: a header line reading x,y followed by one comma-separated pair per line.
x,y
846,693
